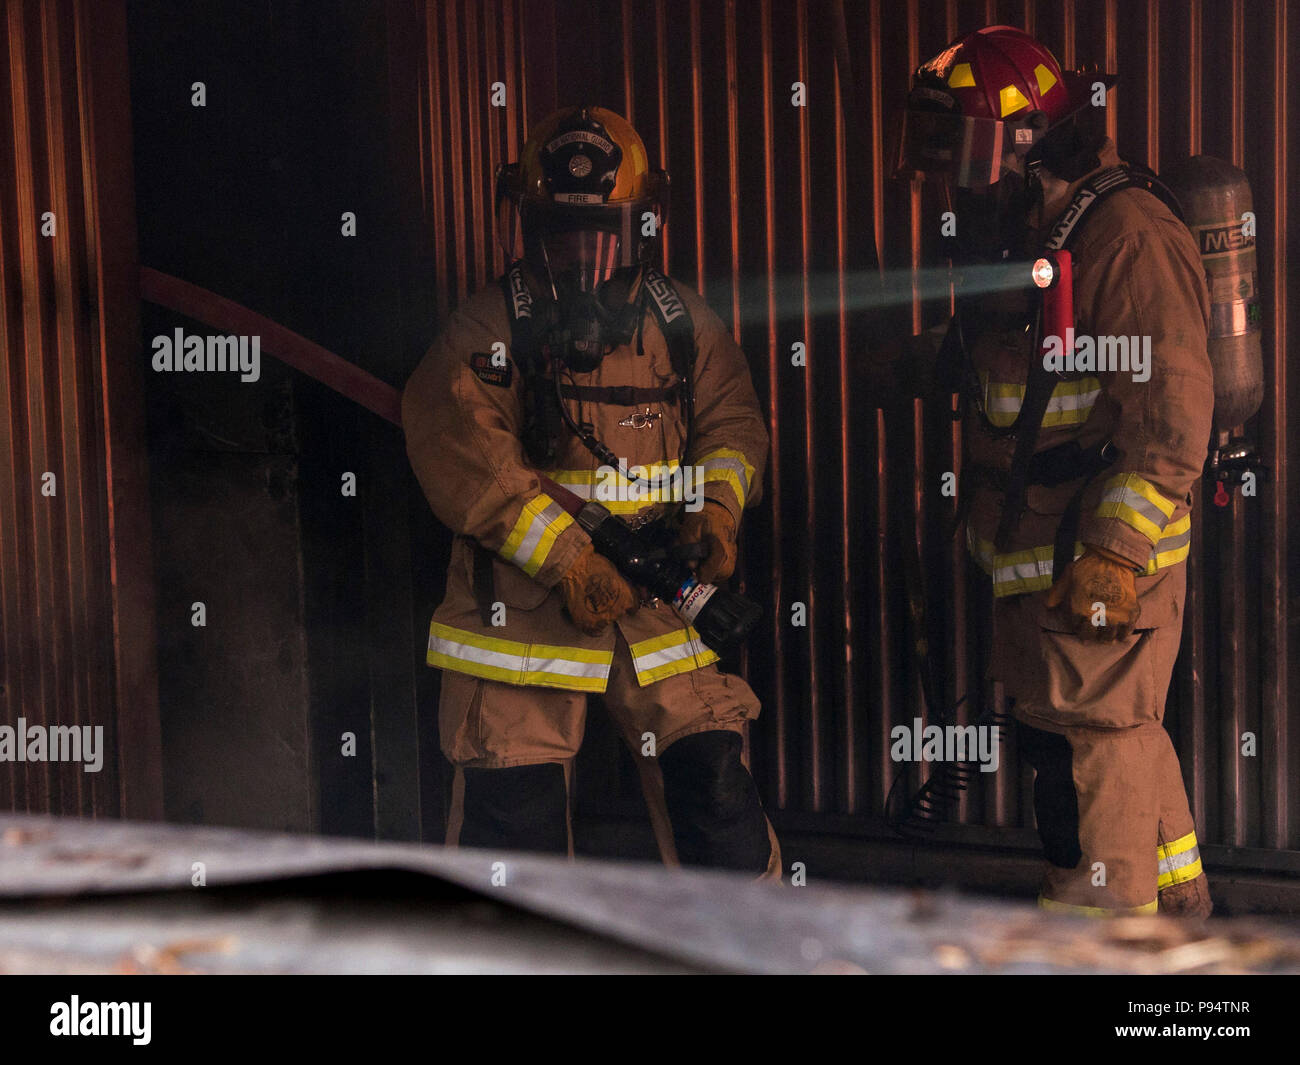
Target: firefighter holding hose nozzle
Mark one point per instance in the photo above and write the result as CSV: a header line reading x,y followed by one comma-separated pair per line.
x,y
581,415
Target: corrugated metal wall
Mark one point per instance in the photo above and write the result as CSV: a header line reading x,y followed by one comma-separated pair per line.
x,y
777,215
76,601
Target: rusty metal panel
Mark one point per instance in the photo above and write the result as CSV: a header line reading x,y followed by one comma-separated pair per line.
x,y
76,608
782,215
469,46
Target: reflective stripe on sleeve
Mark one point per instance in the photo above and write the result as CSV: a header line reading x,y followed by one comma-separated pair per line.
x,y
1030,569
1178,862
659,482
1174,545
512,662
1136,502
729,466
1015,572
1052,906
540,521
674,652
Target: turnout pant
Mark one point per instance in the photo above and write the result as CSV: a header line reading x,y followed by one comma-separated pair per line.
x,y
1112,811
512,747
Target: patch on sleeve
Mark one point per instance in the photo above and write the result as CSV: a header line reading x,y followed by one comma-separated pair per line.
x,y
491,373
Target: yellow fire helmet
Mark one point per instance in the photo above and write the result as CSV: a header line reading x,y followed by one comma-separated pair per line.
x,y
583,202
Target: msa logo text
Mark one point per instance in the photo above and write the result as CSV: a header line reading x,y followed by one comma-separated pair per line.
x,y
664,295
520,296
1072,215
1219,240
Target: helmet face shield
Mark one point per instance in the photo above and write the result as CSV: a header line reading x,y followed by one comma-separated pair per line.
x,y
582,206
579,247
969,152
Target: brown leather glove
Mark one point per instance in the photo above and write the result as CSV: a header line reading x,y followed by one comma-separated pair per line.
x,y
713,526
595,593
1098,576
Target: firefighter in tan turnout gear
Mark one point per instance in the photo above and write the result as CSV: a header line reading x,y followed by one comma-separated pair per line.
x,y
588,365
1078,474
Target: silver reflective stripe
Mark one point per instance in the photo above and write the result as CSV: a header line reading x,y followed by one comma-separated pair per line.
x,y
516,663
690,649
1023,571
1126,496
741,470
1172,543
543,521
1178,861
1078,401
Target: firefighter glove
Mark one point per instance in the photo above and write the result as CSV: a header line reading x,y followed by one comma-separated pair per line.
x,y
714,527
595,593
1099,590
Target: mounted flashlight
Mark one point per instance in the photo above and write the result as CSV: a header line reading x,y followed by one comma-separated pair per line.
x,y
1044,273
1053,274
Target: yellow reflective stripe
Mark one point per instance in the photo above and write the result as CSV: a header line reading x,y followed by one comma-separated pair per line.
x,y
1174,545
1071,402
1130,517
1030,569
1178,862
1015,572
1146,490
513,662
731,466
530,541
1135,501
1180,874
1178,846
674,652
611,489
1053,906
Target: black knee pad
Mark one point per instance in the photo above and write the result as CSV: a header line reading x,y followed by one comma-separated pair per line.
x,y
1056,804
713,803
522,808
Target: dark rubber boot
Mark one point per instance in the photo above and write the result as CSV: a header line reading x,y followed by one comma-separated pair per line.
x,y
713,804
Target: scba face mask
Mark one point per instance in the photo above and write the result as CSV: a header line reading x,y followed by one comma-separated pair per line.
x,y
580,327
992,222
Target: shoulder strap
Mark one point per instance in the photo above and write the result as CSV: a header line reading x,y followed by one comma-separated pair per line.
x,y
541,429
679,332
1101,185
1096,188
519,305
674,320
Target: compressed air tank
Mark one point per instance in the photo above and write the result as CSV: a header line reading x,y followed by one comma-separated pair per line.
x,y
1218,209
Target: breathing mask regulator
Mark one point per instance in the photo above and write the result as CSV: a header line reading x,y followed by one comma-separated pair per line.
x,y
578,327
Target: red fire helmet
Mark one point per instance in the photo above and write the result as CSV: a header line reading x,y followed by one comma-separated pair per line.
x,y
990,93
